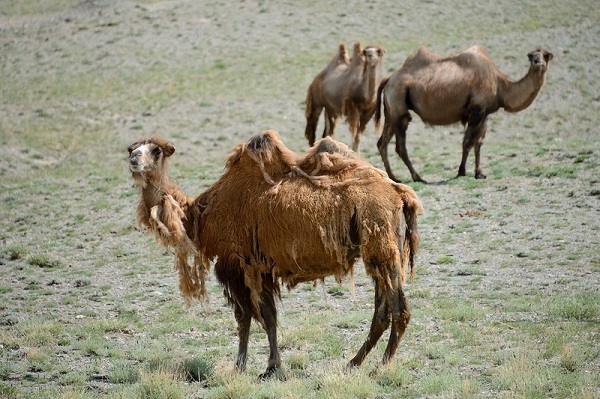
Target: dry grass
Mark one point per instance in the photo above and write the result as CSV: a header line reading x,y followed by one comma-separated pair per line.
x,y
505,301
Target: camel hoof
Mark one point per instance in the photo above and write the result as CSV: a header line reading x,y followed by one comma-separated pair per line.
x,y
480,175
418,179
272,372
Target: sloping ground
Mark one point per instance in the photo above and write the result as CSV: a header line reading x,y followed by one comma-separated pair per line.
x,y
507,278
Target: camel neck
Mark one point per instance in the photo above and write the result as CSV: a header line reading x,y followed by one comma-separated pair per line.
x,y
153,191
519,95
370,74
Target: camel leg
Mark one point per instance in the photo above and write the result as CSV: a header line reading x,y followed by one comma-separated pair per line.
x,y
268,311
401,147
382,146
365,117
478,142
380,323
400,317
243,316
311,124
353,121
331,121
473,132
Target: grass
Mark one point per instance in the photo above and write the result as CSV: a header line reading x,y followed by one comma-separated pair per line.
x,y
504,302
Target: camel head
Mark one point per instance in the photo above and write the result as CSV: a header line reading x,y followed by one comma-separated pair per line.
x,y
149,155
373,55
267,151
540,58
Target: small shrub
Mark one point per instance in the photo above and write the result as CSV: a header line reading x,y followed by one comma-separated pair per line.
x,y
4,289
196,369
299,361
15,252
446,260
159,384
8,391
583,307
43,261
336,290
123,373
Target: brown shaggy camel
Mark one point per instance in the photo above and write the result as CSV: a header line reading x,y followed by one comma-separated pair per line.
x,y
465,87
276,217
345,87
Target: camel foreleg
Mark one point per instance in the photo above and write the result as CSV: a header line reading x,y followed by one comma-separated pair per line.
x,y
382,146
243,316
331,120
401,147
474,134
268,311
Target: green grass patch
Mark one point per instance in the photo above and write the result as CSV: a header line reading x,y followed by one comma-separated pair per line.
x,y
43,261
582,307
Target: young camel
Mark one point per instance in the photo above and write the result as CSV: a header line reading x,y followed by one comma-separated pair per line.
x,y
275,217
345,87
465,87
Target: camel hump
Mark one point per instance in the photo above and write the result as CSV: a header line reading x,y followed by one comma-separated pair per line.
x,y
476,49
331,146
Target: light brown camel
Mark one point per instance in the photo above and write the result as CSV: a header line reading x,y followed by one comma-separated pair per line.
x,y
465,87
276,217
345,88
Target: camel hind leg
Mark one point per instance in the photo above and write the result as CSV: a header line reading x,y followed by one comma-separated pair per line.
x,y
379,323
312,120
390,306
400,317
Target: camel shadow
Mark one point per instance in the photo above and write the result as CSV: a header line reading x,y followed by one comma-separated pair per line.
x,y
443,182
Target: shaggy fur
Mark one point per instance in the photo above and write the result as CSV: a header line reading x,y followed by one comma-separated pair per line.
x,y
345,87
276,217
465,87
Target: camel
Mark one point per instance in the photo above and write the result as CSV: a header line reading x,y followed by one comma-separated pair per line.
x,y
345,87
280,218
465,87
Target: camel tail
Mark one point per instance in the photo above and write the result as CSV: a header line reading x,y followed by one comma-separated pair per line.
x,y
412,208
308,108
378,104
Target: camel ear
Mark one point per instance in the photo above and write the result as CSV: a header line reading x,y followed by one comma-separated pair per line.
x,y
548,55
168,150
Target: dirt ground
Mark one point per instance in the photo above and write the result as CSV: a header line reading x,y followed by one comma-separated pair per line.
x,y
82,81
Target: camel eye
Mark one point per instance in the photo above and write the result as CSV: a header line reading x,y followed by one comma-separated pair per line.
x,y
156,152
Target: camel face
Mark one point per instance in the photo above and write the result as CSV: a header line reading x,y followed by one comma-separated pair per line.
x,y
146,155
142,158
540,58
373,55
